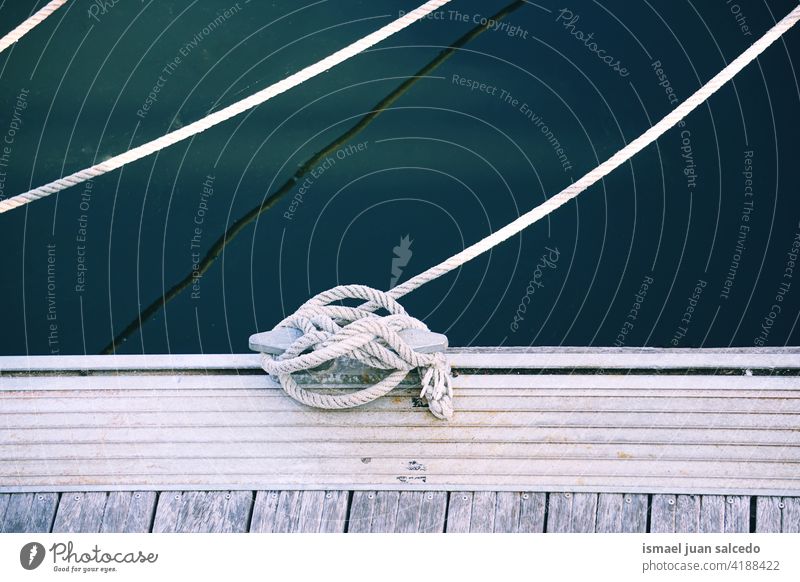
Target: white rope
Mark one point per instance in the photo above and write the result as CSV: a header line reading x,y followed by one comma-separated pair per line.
x,y
335,331
622,156
226,113
30,23
357,332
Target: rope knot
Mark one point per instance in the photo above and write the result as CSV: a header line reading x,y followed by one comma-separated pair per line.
x,y
437,387
331,331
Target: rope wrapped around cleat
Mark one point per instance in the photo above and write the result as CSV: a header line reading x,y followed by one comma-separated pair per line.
x,y
332,331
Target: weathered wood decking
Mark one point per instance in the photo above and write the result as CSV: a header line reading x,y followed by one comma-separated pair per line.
x,y
393,511
567,439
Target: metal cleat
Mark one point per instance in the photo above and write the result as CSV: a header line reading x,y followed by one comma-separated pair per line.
x,y
277,341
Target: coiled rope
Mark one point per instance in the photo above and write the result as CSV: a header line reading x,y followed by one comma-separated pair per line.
x,y
223,114
35,19
332,331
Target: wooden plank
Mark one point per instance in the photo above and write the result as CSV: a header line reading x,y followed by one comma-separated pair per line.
x,y
463,482
504,409
409,506
559,512
334,512
299,512
129,512
384,514
171,510
624,382
80,512
203,512
662,514
532,512
495,512
459,512
287,517
518,357
311,506
29,513
768,515
149,401
712,514
22,405
4,500
635,419
688,513
119,362
584,512
624,358
507,512
361,509
374,512
618,513
390,469
609,512
501,512
441,433
483,510
143,384
265,508
634,513
791,515
228,392
737,514
586,451
421,512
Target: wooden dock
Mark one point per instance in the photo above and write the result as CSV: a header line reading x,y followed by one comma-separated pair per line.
x,y
544,440
393,511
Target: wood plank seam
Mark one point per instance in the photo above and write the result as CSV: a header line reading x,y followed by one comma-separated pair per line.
x,y
347,512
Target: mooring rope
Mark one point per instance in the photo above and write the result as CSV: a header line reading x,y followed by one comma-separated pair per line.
x,y
226,113
332,331
215,251
622,156
359,335
35,19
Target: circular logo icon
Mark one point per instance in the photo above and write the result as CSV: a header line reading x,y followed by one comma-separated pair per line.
x,y
31,555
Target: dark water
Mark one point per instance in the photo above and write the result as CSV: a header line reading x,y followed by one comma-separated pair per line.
x,y
680,247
